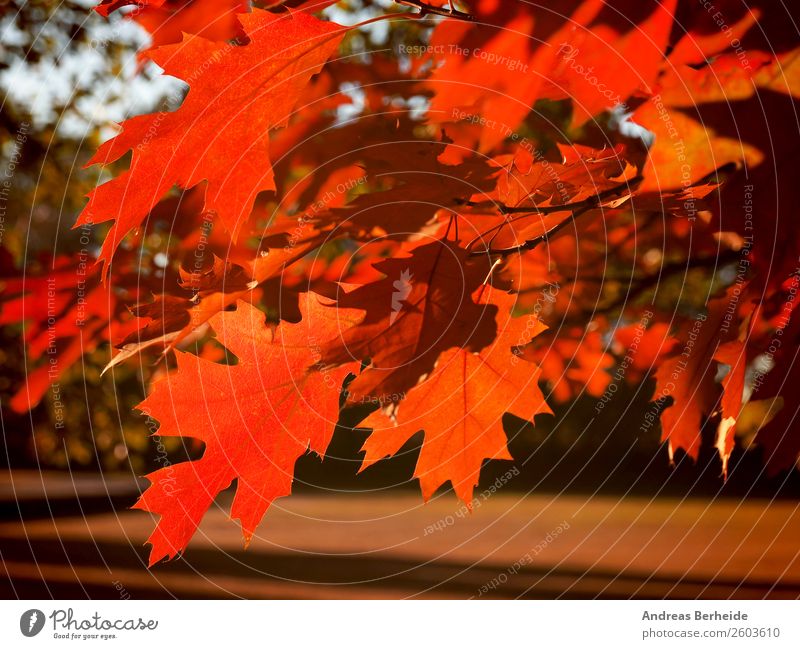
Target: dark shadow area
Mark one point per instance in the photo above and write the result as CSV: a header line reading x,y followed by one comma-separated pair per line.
x,y
576,450
332,576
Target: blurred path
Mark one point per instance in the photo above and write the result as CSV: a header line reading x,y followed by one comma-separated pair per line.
x,y
364,546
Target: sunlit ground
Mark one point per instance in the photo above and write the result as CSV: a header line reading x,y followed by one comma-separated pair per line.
x,y
379,546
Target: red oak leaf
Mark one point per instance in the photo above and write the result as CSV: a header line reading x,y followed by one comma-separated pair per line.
x,y
573,364
689,377
256,418
168,20
734,355
220,134
461,404
421,307
619,56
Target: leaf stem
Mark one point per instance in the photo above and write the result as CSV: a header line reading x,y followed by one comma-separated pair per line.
x,y
577,209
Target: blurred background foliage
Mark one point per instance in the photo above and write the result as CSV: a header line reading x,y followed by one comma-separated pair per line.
x,y
66,73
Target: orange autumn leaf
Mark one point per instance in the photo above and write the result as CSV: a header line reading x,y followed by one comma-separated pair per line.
x,y
422,307
644,347
220,134
168,20
688,377
619,56
256,418
460,407
572,365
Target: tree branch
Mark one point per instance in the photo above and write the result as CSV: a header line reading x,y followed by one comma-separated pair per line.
x,y
426,9
638,286
592,201
577,209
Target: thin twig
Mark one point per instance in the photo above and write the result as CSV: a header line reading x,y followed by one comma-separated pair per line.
x,y
577,209
533,243
549,209
426,9
592,201
638,286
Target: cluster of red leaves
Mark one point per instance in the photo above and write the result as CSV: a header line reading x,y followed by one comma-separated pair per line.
x,y
421,250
